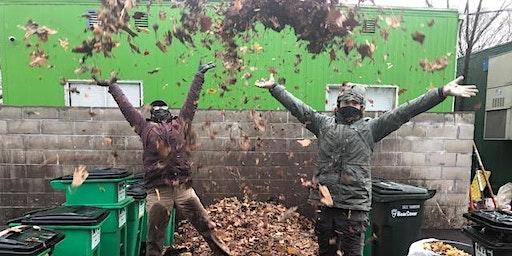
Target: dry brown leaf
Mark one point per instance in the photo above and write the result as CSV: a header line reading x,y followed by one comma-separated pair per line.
x,y
393,21
64,43
325,195
107,140
162,15
418,37
38,58
237,5
161,46
245,143
366,50
79,176
305,142
384,33
348,45
259,122
439,64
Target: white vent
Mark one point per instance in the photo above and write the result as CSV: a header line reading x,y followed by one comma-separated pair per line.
x,y
369,26
92,18
81,93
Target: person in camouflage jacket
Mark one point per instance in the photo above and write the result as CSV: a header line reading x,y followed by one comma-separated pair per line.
x,y
345,143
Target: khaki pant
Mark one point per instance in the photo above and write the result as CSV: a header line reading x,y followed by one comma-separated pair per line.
x,y
187,204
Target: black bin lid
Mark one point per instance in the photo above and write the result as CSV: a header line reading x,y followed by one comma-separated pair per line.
x,y
65,216
136,191
27,240
103,173
499,220
387,191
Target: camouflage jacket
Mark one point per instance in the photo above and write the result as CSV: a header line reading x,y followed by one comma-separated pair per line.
x,y
343,161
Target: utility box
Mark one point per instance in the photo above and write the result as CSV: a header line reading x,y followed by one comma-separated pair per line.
x,y
498,103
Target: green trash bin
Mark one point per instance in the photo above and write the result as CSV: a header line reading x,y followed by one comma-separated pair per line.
x,y
103,186
81,225
114,230
136,212
169,231
29,240
397,214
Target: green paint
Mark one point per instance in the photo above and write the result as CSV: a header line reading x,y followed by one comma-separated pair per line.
x,y
495,154
28,86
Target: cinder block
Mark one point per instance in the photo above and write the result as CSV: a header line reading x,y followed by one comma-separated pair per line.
x,y
286,131
456,173
209,116
16,171
411,159
425,172
428,118
33,142
442,131
107,114
57,127
11,141
441,217
440,159
10,113
40,113
449,119
237,116
82,142
466,132
81,113
208,144
461,186
117,128
3,127
459,146
390,172
24,126
448,199
411,131
40,199
295,146
389,145
465,118
12,156
464,160
385,159
108,142
276,116
428,145
90,128
133,142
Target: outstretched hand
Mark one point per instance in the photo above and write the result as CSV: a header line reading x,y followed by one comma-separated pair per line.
x,y
113,79
203,68
267,84
453,88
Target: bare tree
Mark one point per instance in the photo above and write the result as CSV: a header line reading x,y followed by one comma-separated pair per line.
x,y
482,29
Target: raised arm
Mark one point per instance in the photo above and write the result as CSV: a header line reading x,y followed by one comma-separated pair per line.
x,y
304,113
190,106
132,115
392,120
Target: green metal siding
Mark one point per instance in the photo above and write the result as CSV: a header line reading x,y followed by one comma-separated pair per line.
x,y
24,85
495,154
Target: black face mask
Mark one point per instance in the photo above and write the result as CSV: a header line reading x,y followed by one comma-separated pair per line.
x,y
348,115
160,115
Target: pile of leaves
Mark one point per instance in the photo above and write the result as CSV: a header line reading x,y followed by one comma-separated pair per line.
x,y
253,228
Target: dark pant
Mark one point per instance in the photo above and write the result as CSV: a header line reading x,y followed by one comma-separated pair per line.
x,y
160,204
340,230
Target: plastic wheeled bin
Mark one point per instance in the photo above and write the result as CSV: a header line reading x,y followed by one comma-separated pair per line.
x,y
492,234
81,225
28,240
397,214
114,229
135,222
103,186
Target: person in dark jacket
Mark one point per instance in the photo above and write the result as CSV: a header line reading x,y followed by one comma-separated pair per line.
x,y
345,142
167,141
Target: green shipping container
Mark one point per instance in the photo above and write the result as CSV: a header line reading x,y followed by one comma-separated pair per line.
x,y
395,61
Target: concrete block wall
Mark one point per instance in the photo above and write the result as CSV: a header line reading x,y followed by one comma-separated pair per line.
x,y
234,157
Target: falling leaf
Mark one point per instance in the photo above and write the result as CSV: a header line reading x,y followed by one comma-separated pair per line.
x,y
418,37
206,23
384,33
161,46
292,251
325,195
393,21
305,142
245,142
439,64
79,176
64,43
38,58
335,18
257,48
42,32
155,70
107,141
332,55
402,91
348,45
237,6
366,50
212,91
162,15
143,29
155,28
430,23
259,122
